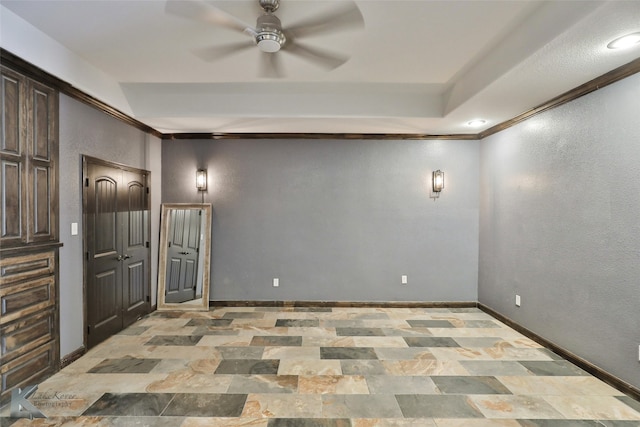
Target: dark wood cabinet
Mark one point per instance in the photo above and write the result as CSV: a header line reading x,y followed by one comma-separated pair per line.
x,y
29,292
28,157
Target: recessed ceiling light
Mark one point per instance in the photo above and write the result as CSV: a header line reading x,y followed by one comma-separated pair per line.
x,y
476,123
625,41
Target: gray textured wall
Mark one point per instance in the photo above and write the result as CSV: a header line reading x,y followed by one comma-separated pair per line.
x,y
84,130
334,220
560,204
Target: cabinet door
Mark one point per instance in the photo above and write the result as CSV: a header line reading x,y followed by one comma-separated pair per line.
x,y
42,136
13,188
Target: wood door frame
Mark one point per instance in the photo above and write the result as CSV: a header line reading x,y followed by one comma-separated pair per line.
x,y
86,160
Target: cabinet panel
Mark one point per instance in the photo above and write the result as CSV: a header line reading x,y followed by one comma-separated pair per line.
x,y
27,369
24,335
17,268
10,93
41,131
26,298
12,210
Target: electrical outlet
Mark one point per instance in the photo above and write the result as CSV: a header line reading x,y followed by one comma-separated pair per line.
x,y
404,279
276,282
518,301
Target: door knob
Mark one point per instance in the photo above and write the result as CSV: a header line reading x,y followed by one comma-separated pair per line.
x,y
126,256
184,253
119,258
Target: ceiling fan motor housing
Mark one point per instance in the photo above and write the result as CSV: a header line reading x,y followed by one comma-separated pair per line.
x,y
270,37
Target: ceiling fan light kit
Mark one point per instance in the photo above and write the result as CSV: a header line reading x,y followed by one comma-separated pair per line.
x,y
269,36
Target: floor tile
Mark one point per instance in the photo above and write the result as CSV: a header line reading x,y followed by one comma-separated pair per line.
x,y
283,406
593,407
306,323
209,322
360,406
263,384
380,384
206,405
423,323
310,367
332,384
248,366
229,352
469,385
264,341
359,332
560,368
130,404
179,340
494,367
436,406
430,342
510,406
308,422
347,353
362,367
131,366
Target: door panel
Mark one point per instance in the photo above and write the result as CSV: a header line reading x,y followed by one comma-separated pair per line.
x,y
182,255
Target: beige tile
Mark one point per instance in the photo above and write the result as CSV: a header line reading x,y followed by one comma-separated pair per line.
x,y
514,407
283,406
299,353
392,422
224,340
187,381
309,367
332,384
592,408
423,367
466,422
573,385
315,341
379,342
224,422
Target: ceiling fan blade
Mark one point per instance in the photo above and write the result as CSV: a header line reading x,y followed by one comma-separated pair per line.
x,y
199,10
346,16
270,66
323,58
215,53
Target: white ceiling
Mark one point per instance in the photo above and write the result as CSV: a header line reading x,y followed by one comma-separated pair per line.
x,y
425,67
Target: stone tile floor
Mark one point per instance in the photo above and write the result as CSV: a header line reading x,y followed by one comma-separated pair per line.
x,y
326,367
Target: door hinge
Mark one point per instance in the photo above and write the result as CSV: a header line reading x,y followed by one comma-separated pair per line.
x,y
86,182
148,298
88,330
87,255
146,244
147,190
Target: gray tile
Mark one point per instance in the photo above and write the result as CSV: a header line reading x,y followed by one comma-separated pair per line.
x,y
469,385
560,368
244,352
430,342
407,332
494,367
130,404
360,406
133,330
436,406
389,384
209,322
359,332
634,404
143,422
313,309
362,367
263,384
481,342
430,324
179,340
465,310
619,423
309,422
206,405
247,366
406,353
124,366
280,341
298,323
347,353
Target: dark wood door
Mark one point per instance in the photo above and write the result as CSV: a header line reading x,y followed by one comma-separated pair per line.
x,y
116,241
182,255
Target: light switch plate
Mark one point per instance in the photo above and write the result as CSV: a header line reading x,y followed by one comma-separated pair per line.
x,y
74,228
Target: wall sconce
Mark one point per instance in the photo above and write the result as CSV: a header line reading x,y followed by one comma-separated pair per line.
x,y
201,179
438,181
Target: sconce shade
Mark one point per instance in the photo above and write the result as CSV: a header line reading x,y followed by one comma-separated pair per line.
x,y
438,181
201,179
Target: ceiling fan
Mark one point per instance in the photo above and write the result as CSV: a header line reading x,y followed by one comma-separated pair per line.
x,y
269,36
